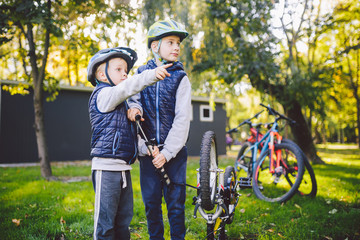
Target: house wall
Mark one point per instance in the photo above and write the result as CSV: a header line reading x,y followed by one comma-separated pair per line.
x,y
66,122
68,129
198,128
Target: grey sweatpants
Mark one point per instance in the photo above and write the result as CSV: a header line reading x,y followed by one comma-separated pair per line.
x,y
113,204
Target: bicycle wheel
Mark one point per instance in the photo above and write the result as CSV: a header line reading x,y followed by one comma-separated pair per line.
x,y
274,187
208,170
243,162
308,186
210,231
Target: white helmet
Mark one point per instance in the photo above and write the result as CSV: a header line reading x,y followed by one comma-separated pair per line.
x,y
105,55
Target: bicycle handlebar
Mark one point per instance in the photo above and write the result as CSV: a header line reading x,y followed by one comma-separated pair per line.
x,y
277,114
247,121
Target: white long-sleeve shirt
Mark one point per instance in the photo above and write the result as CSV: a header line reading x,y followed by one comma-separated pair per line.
x,y
179,131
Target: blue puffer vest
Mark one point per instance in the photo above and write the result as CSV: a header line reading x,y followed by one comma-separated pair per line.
x,y
113,135
158,102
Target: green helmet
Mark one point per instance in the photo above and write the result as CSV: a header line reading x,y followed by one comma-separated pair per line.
x,y
165,28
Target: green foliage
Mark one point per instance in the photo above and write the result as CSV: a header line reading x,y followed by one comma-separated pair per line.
x,y
21,89
77,28
64,209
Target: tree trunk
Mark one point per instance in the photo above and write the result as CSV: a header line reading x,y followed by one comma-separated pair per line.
x,y
38,77
301,132
40,133
358,120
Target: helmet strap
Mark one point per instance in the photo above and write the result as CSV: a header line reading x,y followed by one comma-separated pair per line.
x,y
107,75
157,55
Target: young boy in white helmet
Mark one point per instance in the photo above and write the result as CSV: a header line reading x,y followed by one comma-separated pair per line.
x,y
113,142
166,110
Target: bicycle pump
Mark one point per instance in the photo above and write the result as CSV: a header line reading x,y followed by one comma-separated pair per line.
x,y
149,145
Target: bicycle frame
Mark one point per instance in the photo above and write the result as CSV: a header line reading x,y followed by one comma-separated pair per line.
x,y
263,144
254,148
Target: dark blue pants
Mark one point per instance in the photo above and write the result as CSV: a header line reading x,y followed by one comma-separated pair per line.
x,y
153,189
113,205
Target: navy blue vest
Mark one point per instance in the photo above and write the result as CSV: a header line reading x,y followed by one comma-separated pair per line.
x,y
158,102
113,135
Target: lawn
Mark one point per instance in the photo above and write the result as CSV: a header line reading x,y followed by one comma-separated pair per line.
x,y
32,208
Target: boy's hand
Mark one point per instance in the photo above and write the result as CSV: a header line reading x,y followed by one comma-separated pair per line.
x,y
132,112
155,151
161,73
159,160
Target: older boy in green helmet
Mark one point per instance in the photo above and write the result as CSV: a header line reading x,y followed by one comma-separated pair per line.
x,y
166,108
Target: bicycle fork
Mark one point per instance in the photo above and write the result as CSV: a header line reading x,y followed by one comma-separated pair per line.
x,y
273,166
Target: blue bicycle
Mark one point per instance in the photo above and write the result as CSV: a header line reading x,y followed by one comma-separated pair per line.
x,y
274,169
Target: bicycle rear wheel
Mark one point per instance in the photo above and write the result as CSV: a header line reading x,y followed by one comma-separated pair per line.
x,y
243,162
208,170
275,187
308,186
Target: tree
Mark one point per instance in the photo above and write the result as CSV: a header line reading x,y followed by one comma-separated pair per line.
x,y
35,25
273,68
32,18
347,51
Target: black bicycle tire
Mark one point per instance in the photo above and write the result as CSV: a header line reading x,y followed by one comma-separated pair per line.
x,y
285,197
207,144
230,173
210,231
310,170
242,150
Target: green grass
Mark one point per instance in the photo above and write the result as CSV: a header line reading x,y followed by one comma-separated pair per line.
x,y
64,209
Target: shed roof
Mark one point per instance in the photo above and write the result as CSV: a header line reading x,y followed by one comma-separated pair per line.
x,y
90,89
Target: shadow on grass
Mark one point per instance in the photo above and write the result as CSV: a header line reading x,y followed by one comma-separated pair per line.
x,y
338,171
351,150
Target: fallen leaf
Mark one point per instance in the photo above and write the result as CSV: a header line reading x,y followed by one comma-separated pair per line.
x,y
248,195
242,210
281,235
297,206
270,230
137,235
62,221
327,237
16,221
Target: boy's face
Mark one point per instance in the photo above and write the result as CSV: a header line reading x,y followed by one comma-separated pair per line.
x,y
170,48
117,70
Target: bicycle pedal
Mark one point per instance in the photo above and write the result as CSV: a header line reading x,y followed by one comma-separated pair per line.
x,y
245,182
